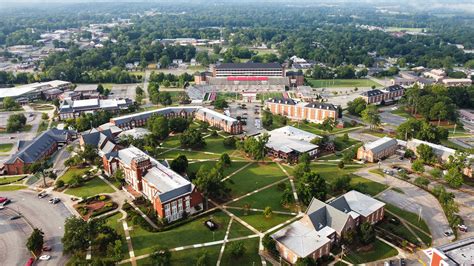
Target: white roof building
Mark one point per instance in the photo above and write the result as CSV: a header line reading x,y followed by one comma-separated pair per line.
x,y
288,139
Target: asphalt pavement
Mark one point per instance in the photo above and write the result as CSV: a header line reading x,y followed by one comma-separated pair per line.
x,y
40,214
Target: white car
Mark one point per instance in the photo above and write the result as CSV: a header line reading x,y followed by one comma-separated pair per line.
x,y
45,257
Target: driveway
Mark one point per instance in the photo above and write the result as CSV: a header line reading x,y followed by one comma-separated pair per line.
x,y
391,119
41,214
413,199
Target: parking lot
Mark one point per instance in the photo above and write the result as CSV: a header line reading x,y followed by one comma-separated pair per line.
x,y
123,91
253,125
35,213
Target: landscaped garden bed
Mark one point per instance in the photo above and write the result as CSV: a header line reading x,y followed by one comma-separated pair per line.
x,y
95,206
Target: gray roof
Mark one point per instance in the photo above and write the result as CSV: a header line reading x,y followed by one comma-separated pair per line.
x,y
460,252
288,139
146,115
324,106
380,144
322,215
393,88
35,150
357,202
282,101
249,65
372,93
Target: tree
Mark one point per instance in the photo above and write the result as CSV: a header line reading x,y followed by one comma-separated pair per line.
x,y
267,119
44,116
356,106
40,169
311,185
160,257
179,164
9,104
178,124
454,178
230,142
371,116
16,122
165,61
192,138
225,160
409,154
269,244
35,241
119,176
220,104
76,235
209,183
100,89
158,126
341,183
165,98
422,181
255,146
367,233
418,166
267,212
340,165
425,153
114,250
236,249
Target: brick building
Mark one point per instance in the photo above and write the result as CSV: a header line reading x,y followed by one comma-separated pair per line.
x,y
171,194
288,143
374,151
324,224
214,118
39,148
389,94
314,112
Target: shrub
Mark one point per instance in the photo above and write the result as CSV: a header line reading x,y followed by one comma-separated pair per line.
x,y
102,197
59,184
422,181
237,249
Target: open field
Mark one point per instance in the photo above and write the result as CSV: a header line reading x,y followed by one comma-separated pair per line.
x,y
72,172
6,147
380,251
90,188
12,187
341,83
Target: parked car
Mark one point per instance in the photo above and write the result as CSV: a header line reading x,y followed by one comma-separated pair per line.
x,y
448,233
45,257
3,199
42,194
5,203
394,220
211,225
47,248
54,200
462,228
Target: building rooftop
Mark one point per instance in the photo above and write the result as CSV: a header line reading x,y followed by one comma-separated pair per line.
x,y
301,239
380,144
86,87
282,101
288,139
354,201
30,88
372,93
460,252
249,65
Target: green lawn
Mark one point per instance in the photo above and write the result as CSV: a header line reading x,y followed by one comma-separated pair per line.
x,y
367,186
379,252
90,188
6,147
310,127
374,133
189,256
270,197
194,167
342,144
408,216
259,222
12,187
216,145
113,222
341,83
250,257
265,96
330,171
43,126
194,232
397,229
238,230
73,171
10,179
401,112
189,154
254,177
171,142
423,236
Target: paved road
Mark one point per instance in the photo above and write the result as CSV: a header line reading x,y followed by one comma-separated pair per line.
x,y
412,200
41,214
12,241
391,119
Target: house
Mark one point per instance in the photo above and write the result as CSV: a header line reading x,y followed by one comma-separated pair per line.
x,y
460,252
323,224
289,143
377,150
171,194
314,112
39,148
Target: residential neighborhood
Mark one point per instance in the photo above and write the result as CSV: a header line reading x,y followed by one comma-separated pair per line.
x,y
236,133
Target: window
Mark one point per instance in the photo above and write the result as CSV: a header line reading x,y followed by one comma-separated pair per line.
x,y
167,210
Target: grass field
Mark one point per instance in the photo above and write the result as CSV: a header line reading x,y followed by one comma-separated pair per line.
x,y
43,126
73,171
194,167
269,197
341,83
189,154
112,222
264,96
380,251
408,216
11,187
258,221
10,179
191,233
90,188
6,147
254,177
250,256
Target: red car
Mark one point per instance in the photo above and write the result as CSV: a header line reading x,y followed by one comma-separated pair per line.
x,y
3,199
30,262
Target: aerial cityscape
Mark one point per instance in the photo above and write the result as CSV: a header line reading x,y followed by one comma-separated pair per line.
x,y
229,132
